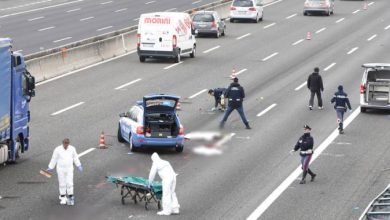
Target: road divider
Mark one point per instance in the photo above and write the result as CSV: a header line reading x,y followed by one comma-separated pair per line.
x,y
67,108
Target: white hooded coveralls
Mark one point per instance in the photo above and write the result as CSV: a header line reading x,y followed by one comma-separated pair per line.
x,y
168,177
64,160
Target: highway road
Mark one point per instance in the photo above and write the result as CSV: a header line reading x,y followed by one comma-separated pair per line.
x,y
274,60
44,24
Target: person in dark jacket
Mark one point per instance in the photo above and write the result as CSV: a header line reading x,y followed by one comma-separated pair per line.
x,y
341,101
235,95
218,95
305,145
315,85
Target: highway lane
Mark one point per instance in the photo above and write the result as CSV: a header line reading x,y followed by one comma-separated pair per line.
x,y
51,24
222,184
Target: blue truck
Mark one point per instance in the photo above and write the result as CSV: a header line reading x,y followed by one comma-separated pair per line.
x,y
17,86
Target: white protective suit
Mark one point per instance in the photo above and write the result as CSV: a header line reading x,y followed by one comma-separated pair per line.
x,y
64,160
168,177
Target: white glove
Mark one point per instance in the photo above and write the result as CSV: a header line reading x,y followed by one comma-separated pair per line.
x,y
213,109
292,151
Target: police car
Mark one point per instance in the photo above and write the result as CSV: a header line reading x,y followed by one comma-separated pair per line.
x,y
152,122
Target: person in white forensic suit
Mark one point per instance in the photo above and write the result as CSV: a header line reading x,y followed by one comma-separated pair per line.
x,y
63,158
164,169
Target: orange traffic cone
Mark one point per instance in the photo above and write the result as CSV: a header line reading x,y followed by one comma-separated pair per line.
x,y
308,36
102,143
178,105
365,5
233,75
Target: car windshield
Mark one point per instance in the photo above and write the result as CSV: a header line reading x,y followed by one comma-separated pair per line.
x,y
203,18
160,102
243,3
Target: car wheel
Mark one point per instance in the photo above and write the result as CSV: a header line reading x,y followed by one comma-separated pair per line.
x,y
193,53
256,19
262,15
328,13
363,110
231,20
332,12
218,34
120,137
131,145
304,13
179,148
177,58
142,59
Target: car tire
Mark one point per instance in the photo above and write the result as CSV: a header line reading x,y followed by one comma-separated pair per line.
x,y
304,13
177,58
120,137
193,53
218,34
328,14
256,19
363,110
142,59
179,148
131,145
231,20
262,15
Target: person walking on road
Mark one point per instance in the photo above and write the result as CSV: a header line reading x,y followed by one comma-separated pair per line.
x,y
219,98
315,85
341,101
63,158
170,205
305,145
235,95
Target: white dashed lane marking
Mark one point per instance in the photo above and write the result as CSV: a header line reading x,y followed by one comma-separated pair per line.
x,y
63,39
270,56
173,65
300,86
211,49
329,67
127,84
147,3
268,26
67,108
45,29
291,16
198,93
320,30
88,18
298,42
72,10
352,50
105,28
372,37
243,36
37,18
104,3
266,110
340,20
356,11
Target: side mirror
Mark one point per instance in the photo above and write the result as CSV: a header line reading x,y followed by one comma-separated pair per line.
x,y
122,115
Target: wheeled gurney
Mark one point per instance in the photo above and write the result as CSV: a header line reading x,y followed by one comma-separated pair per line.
x,y
136,188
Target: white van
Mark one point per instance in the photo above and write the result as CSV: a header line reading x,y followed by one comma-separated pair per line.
x,y
165,35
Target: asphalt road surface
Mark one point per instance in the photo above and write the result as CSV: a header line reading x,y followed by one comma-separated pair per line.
x,y
44,24
274,59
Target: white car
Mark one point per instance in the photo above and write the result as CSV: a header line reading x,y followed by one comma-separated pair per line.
x,y
375,87
246,10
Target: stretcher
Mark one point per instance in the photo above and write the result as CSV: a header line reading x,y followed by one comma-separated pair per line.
x,y
136,188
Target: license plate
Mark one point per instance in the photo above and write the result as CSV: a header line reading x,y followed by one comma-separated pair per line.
x,y
148,45
241,12
202,25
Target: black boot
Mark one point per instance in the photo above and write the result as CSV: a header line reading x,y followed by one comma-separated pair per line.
x,y
247,126
221,125
341,130
303,181
313,175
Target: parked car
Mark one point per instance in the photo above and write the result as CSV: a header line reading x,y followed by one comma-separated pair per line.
x,y
208,23
246,10
375,86
152,122
318,6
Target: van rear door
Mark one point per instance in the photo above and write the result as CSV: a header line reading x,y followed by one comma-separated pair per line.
x,y
377,86
156,32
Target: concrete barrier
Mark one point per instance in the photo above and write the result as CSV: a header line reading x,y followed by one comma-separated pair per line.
x,y
54,62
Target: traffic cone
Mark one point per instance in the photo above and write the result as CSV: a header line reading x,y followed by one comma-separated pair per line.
x,y
365,5
233,75
102,143
178,105
308,36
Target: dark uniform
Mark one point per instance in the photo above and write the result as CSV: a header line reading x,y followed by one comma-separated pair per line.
x,y
235,95
315,85
217,93
305,145
341,101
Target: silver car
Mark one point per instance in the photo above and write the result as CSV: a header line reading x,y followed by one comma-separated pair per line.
x,y
375,87
318,6
208,23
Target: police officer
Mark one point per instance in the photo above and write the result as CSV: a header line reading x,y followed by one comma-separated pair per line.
x,y
341,101
315,85
305,145
235,95
218,95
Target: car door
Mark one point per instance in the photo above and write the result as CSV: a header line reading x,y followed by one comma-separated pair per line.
x,y
127,123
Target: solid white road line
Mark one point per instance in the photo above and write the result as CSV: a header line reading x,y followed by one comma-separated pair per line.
x,y
84,19
40,9
104,3
243,36
371,3
300,86
25,5
270,56
356,11
352,50
147,3
101,29
48,28
86,152
198,93
122,9
270,25
272,3
241,71
329,67
372,37
63,39
196,2
173,65
84,68
67,108
266,110
171,9
211,49
127,84
72,10
37,18
298,42
291,16
387,27
340,20
320,30
295,174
